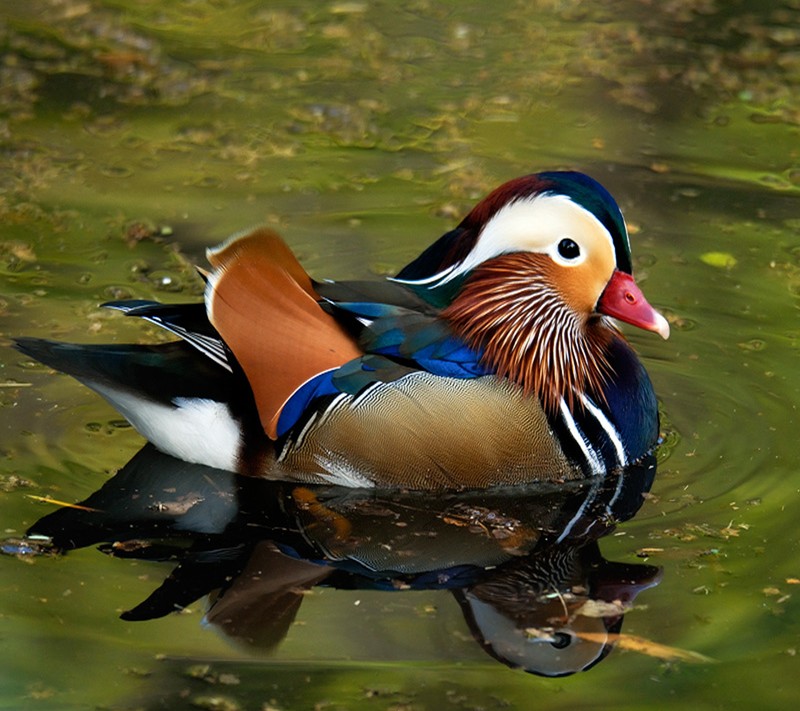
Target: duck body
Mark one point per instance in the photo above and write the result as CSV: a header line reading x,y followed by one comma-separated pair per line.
x,y
488,360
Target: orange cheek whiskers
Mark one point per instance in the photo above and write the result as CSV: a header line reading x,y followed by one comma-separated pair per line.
x,y
528,334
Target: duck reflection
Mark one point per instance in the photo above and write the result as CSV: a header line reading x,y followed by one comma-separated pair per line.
x,y
523,563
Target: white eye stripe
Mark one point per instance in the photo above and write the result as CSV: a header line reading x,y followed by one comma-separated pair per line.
x,y
532,224
536,223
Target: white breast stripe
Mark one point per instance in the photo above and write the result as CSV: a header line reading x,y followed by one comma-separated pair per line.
x,y
588,451
609,429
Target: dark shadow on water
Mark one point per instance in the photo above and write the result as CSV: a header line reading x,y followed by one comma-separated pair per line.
x,y
523,563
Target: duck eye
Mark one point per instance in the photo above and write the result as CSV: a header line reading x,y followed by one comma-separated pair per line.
x,y
568,249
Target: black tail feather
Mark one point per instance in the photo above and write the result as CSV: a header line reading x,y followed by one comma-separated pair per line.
x,y
159,372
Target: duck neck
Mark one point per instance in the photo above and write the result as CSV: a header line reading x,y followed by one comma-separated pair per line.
x,y
509,310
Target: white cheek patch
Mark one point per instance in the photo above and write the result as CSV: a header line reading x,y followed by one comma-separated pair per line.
x,y
534,224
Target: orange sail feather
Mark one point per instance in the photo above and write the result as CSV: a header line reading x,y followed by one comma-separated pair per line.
x,y
263,304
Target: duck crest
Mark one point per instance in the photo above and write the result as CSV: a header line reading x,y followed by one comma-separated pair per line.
x,y
438,273
510,310
515,189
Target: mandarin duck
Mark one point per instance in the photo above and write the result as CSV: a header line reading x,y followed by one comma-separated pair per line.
x,y
490,359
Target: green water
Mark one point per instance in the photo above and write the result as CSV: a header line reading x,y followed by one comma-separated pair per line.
x,y
134,135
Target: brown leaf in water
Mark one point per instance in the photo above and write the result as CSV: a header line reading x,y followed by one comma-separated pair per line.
x,y
603,608
645,646
48,500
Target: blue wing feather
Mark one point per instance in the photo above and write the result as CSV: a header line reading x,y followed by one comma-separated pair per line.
x,y
397,340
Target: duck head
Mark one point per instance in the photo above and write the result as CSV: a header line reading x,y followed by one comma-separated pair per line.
x,y
530,277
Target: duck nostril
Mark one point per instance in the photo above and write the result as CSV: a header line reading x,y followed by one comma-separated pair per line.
x,y
630,297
